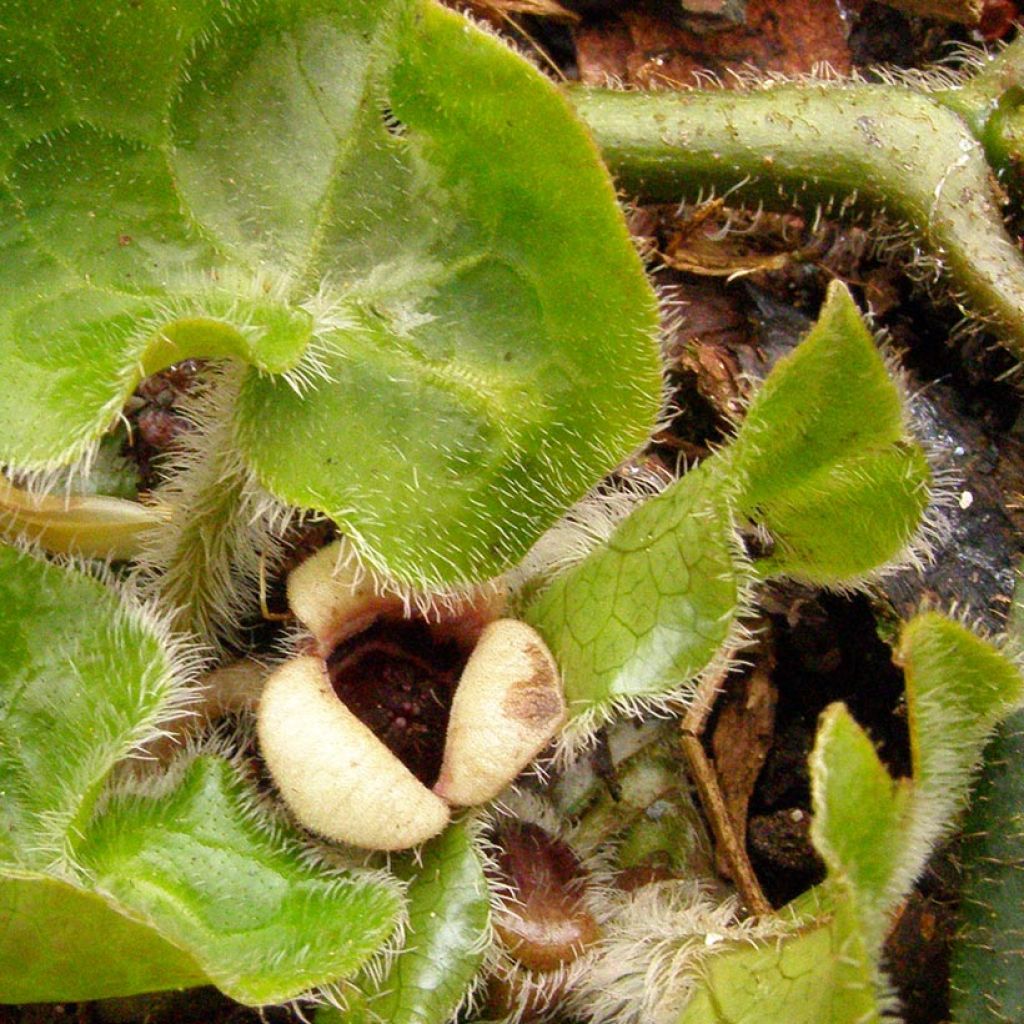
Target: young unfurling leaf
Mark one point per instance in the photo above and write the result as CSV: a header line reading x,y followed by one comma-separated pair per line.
x,y
819,958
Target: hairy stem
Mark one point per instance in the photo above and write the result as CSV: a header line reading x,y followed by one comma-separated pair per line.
x,y
852,147
992,104
206,564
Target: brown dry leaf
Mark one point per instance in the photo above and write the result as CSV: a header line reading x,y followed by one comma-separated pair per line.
x,y
741,740
644,49
728,257
707,326
731,857
705,312
714,242
965,12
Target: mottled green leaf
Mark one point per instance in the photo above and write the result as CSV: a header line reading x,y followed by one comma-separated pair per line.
x,y
262,921
82,679
61,942
821,974
822,463
653,606
445,939
824,460
352,197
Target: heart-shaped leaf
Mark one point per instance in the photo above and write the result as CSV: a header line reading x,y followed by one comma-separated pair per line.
x,y
393,219
262,921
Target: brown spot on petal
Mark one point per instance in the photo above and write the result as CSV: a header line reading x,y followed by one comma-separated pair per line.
x,y
535,700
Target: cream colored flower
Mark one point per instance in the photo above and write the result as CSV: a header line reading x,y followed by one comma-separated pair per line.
x,y
372,661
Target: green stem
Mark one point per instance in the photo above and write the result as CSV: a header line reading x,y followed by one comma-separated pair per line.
x,y
990,102
861,147
206,563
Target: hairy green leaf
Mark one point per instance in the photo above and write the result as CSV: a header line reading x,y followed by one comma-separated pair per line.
x,y
443,316
821,974
49,936
859,819
823,462
875,834
262,921
445,939
826,968
958,687
986,982
653,606
824,459
83,678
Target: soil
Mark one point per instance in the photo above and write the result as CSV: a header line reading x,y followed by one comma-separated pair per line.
x,y
722,333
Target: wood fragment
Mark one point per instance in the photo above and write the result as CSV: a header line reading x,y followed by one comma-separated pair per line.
x,y
727,842
741,740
